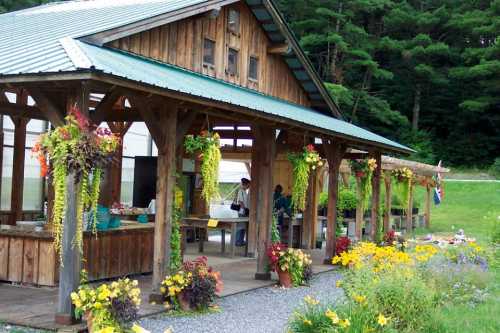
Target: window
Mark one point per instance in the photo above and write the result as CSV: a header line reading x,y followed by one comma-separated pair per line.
x,y
253,69
232,62
233,21
208,52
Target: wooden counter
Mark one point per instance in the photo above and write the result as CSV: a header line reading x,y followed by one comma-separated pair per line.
x,y
29,257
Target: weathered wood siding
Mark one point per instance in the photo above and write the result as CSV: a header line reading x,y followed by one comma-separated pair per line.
x,y
181,43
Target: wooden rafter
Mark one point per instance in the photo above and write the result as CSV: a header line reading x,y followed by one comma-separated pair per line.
x,y
104,109
53,113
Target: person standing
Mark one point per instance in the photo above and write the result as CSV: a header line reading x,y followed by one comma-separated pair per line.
x,y
243,199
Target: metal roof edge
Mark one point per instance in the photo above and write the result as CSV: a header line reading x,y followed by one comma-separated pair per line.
x,y
286,30
75,53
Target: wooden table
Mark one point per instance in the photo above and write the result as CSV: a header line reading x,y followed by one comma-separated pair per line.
x,y
223,224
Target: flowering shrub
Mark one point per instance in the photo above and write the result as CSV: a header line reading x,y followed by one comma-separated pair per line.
x,y
302,164
207,144
342,245
196,282
294,261
390,237
112,308
83,150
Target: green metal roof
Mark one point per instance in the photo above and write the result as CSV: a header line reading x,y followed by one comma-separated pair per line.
x,y
139,69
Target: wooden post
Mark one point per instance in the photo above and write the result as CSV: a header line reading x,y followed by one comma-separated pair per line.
x,y
69,273
115,169
345,179
163,128
308,214
376,197
254,194
359,212
265,199
409,213
428,200
388,201
334,152
16,203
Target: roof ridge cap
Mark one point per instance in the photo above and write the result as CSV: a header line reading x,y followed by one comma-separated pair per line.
x,y
75,53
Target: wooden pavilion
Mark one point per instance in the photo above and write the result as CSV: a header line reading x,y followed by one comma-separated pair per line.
x,y
179,66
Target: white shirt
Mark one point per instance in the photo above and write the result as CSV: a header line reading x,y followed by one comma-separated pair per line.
x,y
243,197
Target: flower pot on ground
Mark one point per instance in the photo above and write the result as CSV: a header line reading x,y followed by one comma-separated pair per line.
x,y
193,287
292,261
285,278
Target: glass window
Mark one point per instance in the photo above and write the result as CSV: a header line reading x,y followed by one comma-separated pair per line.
x,y
127,189
232,62
208,52
253,69
233,21
33,183
8,156
135,142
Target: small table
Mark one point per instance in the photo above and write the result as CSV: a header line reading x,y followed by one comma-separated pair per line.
x,y
223,224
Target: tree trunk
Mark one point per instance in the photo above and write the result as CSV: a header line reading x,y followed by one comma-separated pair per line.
x,y
416,107
333,64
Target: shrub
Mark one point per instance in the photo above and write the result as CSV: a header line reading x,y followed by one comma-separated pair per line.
x,y
495,168
342,245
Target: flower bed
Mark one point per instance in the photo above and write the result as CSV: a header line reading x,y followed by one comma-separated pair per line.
x,y
292,265
398,288
193,287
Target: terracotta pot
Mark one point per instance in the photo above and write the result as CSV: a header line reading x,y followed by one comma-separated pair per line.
x,y
183,302
285,278
87,316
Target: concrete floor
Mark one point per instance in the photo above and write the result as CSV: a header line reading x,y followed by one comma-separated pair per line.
x,y
35,307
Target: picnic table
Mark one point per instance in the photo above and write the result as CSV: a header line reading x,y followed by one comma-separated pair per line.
x,y
222,224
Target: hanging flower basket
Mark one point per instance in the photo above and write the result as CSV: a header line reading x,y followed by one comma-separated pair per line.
x,y
363,170
403,178
302,163
79,150
207,147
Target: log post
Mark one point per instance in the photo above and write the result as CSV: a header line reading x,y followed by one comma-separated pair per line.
x,y
334,151
162,125
376,197
388,201
359,212
308,213
16,203
115,169
409,213
69,272
428,199
265,199
254,194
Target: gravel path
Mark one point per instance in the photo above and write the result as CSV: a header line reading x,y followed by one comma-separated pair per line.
x,y
264,310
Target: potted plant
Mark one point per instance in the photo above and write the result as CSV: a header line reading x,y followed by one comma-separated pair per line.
x,y
111,306
292,265
193,287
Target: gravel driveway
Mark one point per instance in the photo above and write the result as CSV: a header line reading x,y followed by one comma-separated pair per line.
x,y
264,310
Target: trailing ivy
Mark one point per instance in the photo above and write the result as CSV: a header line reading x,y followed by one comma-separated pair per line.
x,y
275,234
207,145
175,236
302,164
75,148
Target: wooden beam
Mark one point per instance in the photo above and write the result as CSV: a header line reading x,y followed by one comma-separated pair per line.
x,y
355,156
25,111
16,198
184,125
165,184
265,200
359,213
388,201
334,151
254,193
409,213
376,197
52,112
280,49
104,109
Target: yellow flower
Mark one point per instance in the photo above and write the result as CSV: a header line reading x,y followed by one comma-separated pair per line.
x,y
169,330
359,298
345,323
109,329
97,305
382,321
138,329
338,284
311,300
332,316
308,322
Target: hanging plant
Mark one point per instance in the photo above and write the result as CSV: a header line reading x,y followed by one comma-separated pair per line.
x,y
403,178
363,170
175,236
207,145
302,164
83,151
275,233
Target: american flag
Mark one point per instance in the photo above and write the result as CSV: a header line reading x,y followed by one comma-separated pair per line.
x,y
438,190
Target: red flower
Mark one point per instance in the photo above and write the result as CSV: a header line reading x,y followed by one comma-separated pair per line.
x,y
82,121
342,245
310,148
360,174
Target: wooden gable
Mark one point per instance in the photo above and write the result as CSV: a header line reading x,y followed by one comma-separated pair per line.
x,y
181,43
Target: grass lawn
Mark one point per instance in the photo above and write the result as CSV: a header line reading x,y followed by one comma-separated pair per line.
x,y
474,207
